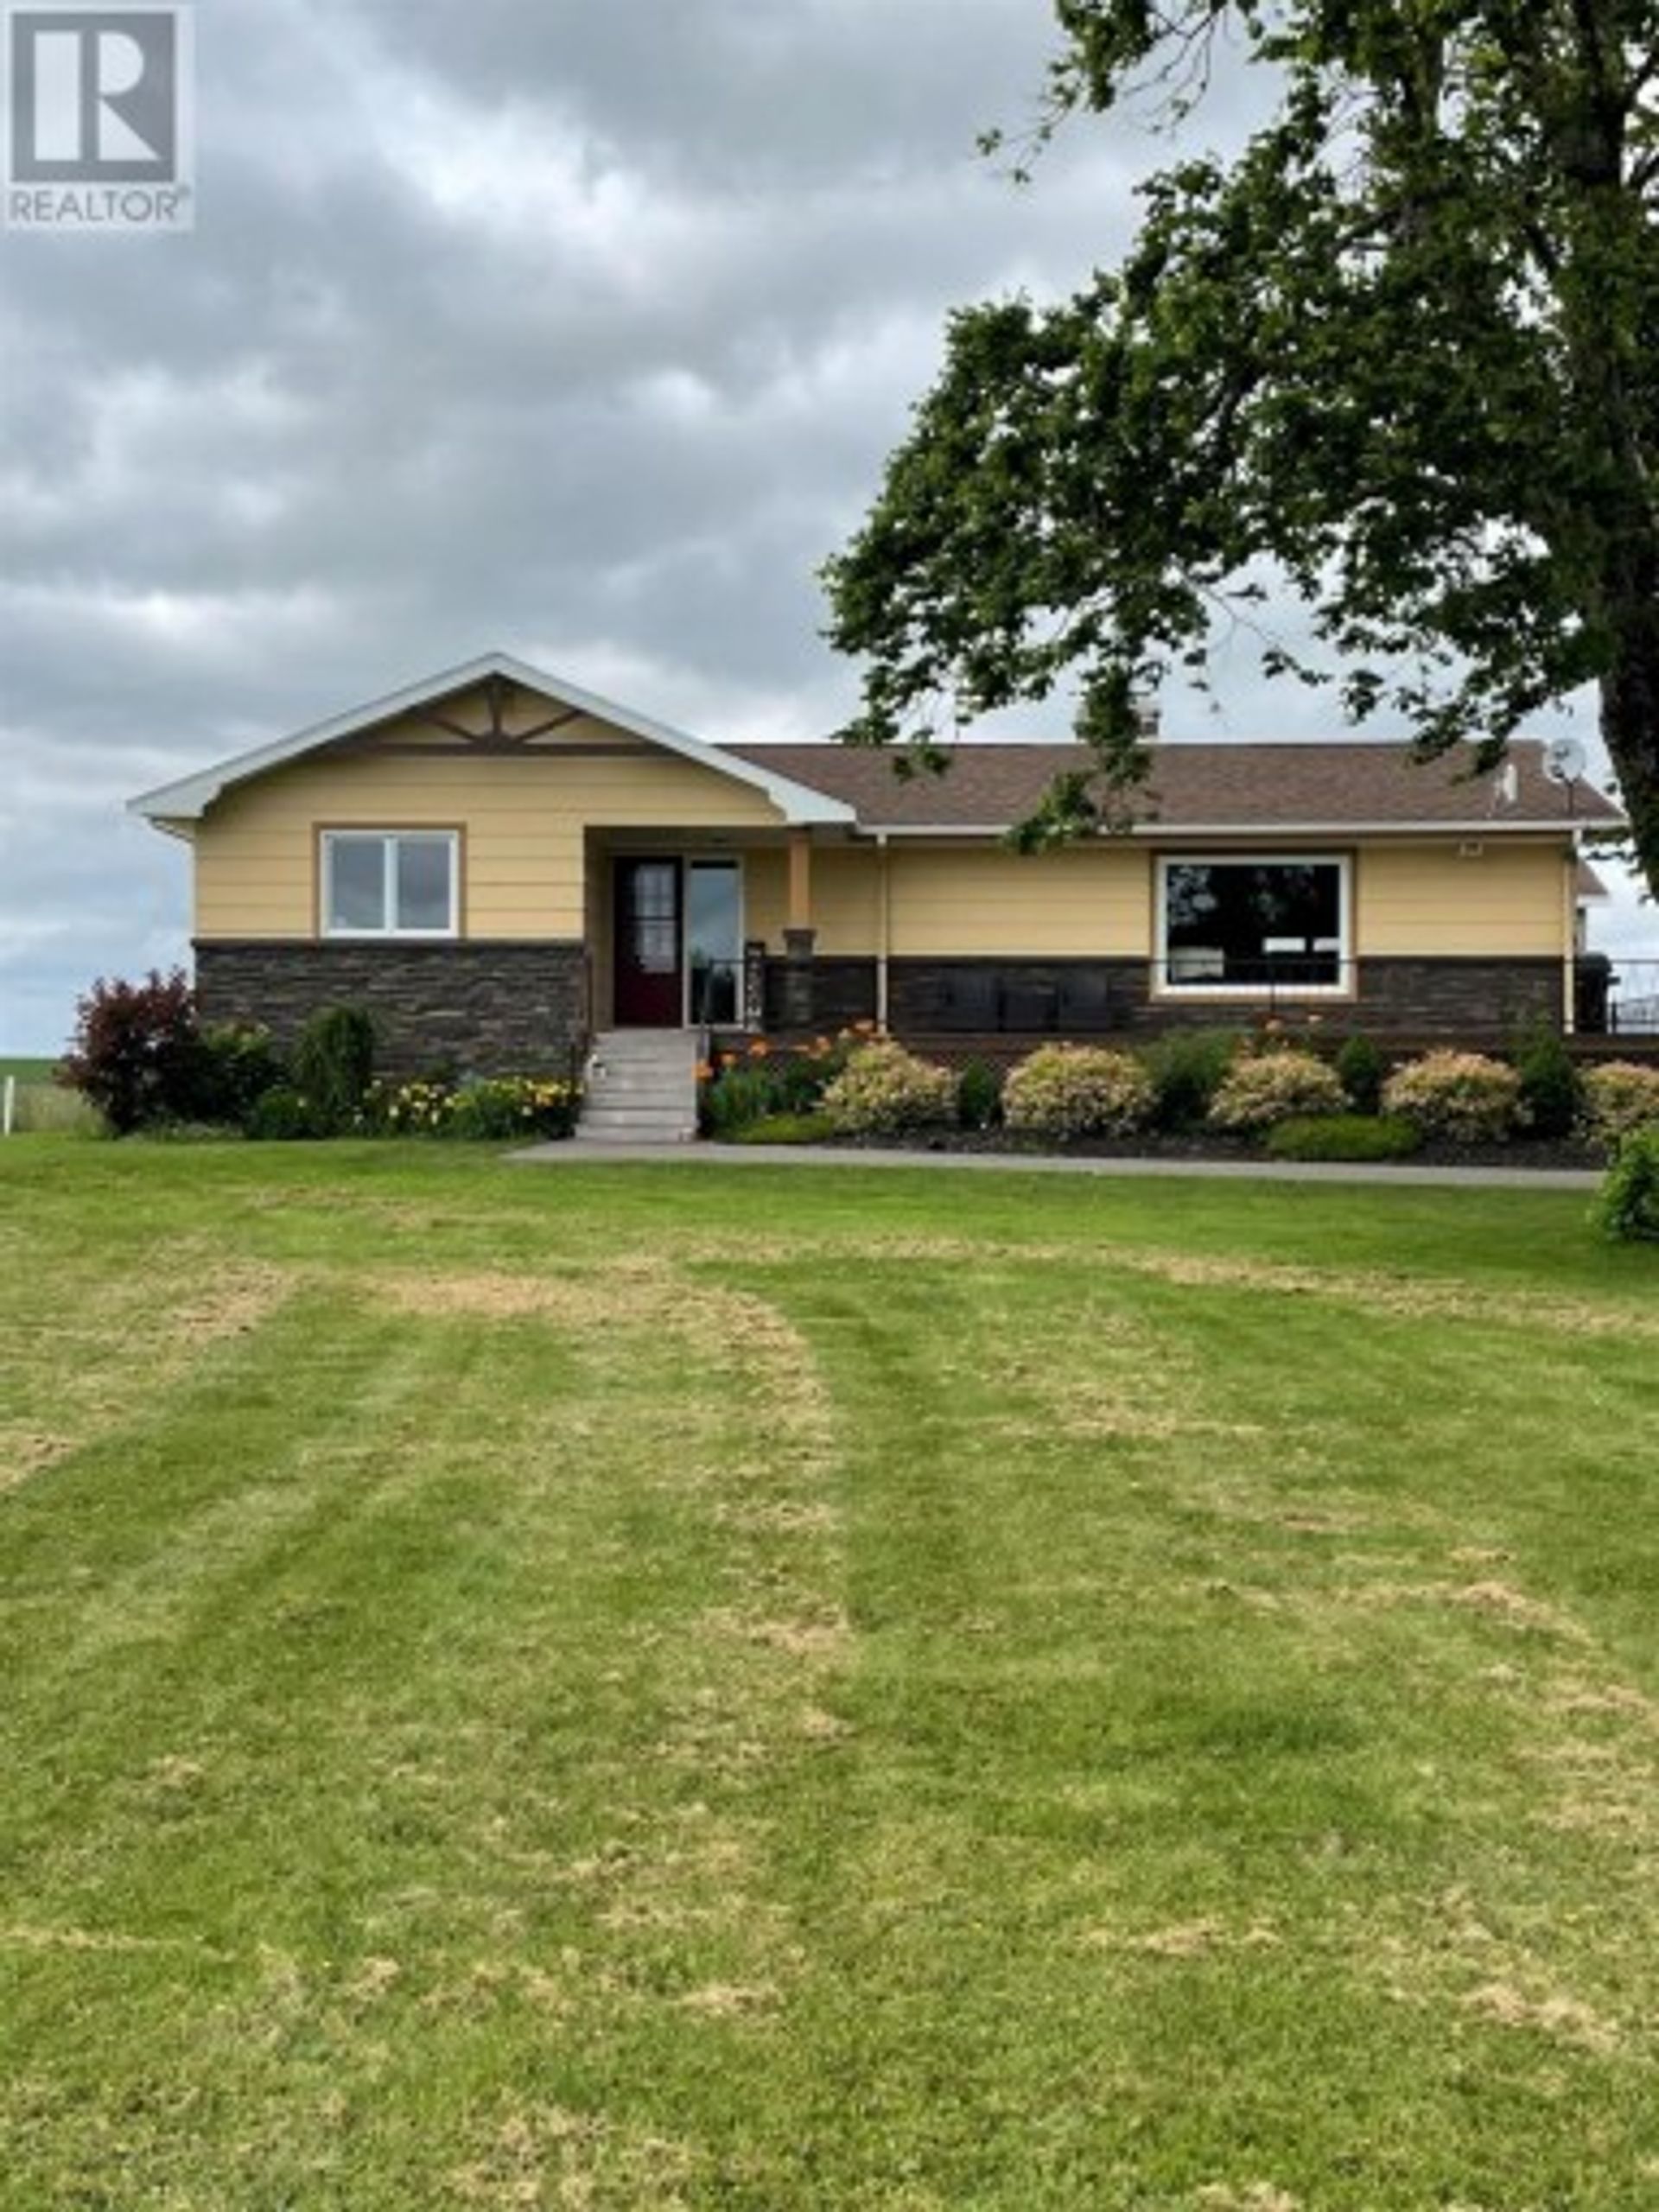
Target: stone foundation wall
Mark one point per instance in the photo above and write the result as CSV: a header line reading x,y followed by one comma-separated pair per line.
x,y
478,1008
842,990
1468,999
1476,1001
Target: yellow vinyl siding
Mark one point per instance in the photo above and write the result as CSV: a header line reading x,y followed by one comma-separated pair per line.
x,y
846,903
522,823
1081,899
1420,897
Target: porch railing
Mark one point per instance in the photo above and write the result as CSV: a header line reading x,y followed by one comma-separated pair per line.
x,y
1618,997
717,995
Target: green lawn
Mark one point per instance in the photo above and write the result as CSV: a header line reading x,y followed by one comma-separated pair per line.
x,y
646,1686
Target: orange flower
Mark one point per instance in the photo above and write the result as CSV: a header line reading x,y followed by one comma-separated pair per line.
x,y
863,1029
705,1072
759,1049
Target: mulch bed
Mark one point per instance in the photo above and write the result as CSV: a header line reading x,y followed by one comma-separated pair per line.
x,y
1200,1145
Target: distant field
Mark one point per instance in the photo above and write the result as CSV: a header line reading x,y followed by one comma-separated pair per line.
x,y
632,1688
41,1106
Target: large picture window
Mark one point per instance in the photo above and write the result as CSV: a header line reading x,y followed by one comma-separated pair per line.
x,y
1253,923
390,883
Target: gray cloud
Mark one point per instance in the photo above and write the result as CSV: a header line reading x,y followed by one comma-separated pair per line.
x,y
579,330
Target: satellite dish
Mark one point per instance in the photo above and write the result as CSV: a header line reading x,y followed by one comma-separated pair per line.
x,y
1564,759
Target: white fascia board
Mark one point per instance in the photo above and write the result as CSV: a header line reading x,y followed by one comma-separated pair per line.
x,y
188,799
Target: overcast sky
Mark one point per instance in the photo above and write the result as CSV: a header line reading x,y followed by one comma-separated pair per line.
x,y
578,327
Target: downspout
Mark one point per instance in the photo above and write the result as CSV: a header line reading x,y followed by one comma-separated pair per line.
x,y
1570,937
883,930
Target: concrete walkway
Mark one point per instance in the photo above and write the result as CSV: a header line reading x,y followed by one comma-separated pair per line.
x,y
575,1153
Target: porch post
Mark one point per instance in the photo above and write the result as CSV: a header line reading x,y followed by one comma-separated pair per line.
x,y
884,933
799,936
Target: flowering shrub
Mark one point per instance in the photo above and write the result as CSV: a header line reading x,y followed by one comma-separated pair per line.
x,y
493,1110
883,1090
1260,1092
1462,1095
1078,1090
515,1106
407,1109
747,1083
1620,1097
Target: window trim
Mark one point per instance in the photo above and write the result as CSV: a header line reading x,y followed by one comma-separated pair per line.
x,y
431,833
1343,987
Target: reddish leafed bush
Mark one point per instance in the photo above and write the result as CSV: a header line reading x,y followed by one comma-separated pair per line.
x,y
137,1051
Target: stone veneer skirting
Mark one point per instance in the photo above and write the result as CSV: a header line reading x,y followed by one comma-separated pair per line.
x,y
1477,998
477,1006
843,991
502,1008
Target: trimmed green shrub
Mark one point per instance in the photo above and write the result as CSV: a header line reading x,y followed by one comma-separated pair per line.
x,y
884,1090
1187,1067
737,1096
1348,1137
1273,1087
136,1053
783,1128
186,1132
1362,1068
280,1116
1627,1206
1078,1090
978,1096
1550,1099
238,1064
333,1065
1463,1097
1620,1097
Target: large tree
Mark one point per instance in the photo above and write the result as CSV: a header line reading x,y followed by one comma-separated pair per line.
x,y
1401,352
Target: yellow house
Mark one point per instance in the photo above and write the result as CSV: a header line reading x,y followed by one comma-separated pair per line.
x,y
501,867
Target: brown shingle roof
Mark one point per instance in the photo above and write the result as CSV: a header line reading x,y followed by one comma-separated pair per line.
x,y
1339,786
1589,883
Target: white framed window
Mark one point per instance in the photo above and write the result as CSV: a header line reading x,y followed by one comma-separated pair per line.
x,y
391,882
1241,923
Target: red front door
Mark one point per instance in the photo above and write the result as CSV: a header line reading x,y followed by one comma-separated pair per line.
x,y
649,993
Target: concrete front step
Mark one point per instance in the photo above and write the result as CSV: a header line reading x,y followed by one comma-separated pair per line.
x,y
641,1088
669,1109
631,1140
